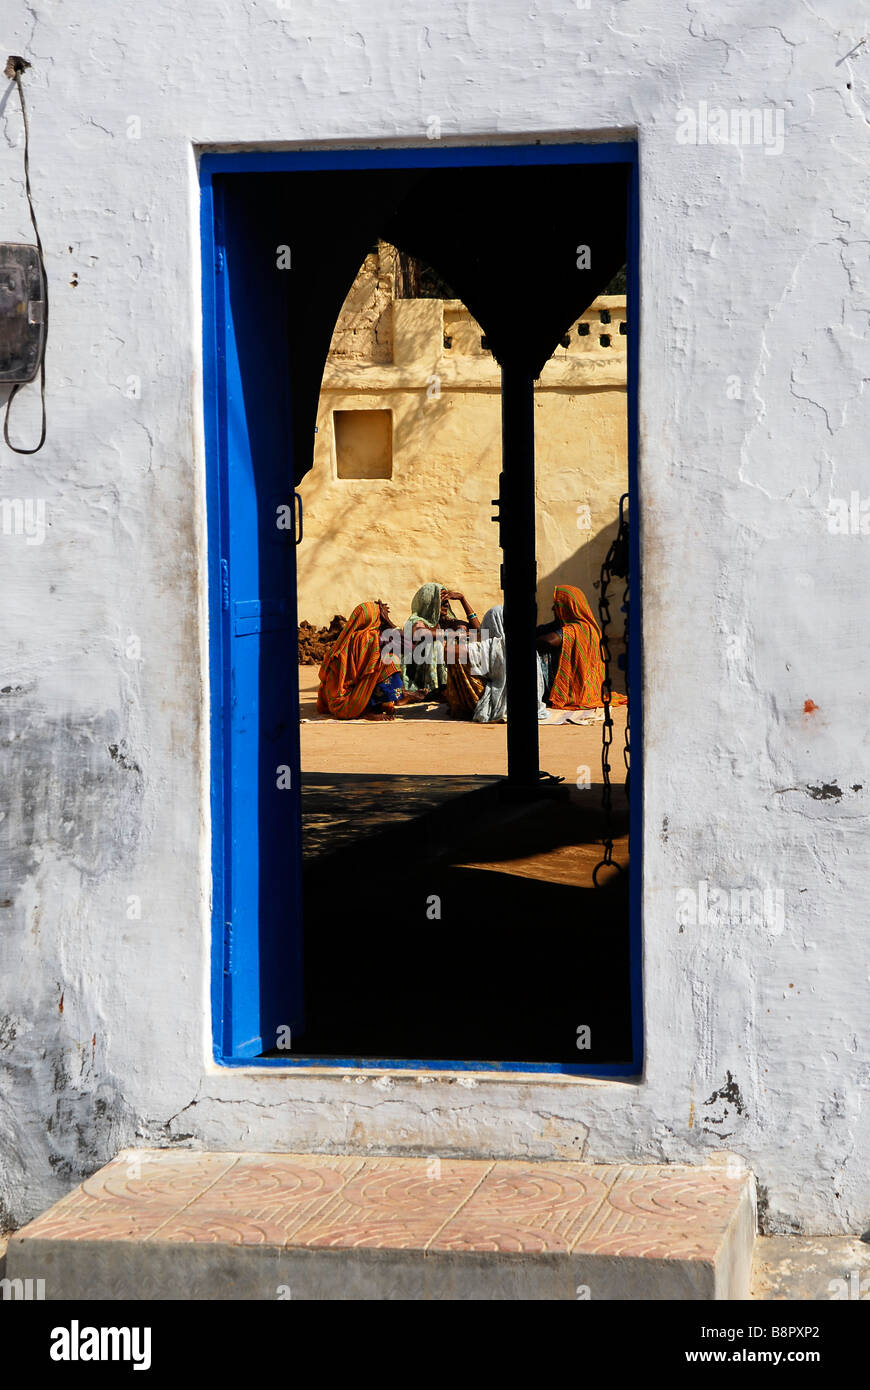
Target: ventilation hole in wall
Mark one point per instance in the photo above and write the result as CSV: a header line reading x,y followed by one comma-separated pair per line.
x,y
484,345
623,328
566,341
448,341
604,339
583,330
363,443
604,316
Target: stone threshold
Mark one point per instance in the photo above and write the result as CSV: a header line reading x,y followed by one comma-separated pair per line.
x,y
178,1224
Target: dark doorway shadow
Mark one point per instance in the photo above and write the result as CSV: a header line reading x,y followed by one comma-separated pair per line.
x,y
472,932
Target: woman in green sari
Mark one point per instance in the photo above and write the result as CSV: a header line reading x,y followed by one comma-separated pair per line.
x,y
430,661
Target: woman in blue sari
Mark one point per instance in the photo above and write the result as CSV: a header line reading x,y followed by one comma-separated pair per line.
x,y
487,660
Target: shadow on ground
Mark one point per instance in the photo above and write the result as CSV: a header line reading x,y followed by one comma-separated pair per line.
x,y
443,923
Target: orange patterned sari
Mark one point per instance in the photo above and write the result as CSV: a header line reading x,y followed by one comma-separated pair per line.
x,y
578,679
353,667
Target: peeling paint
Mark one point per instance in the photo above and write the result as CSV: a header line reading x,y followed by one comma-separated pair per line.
x,y
826,792
119,755
728,1099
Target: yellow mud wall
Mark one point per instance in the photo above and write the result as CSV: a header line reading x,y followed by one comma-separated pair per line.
x,y
422,360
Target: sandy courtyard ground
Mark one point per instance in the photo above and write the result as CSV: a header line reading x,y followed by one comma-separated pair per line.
x,y
420,741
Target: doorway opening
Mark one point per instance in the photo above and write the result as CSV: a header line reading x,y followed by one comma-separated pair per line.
x,y
384,894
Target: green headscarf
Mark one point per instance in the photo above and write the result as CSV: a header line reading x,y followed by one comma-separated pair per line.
x,y
426,608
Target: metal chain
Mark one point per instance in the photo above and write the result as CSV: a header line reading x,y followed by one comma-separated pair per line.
x,y
626,750
614,562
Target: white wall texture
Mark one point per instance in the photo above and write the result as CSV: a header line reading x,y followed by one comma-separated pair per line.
x,y
754,364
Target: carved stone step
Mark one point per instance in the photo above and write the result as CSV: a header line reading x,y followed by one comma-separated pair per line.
x,y
174,1224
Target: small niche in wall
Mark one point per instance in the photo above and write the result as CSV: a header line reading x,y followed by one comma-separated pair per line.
x,y
363,443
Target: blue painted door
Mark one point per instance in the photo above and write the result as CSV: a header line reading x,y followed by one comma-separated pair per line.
x,y
262,974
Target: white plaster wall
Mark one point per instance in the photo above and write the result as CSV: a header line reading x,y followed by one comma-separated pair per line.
x,y
753,266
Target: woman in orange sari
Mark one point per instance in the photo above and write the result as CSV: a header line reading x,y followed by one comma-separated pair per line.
x,y
355,681
570,648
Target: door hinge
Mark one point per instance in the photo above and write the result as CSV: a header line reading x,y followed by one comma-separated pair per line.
x,y
219,259
228,948
225,585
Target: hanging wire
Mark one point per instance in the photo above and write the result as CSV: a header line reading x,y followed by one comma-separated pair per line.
x,y
15,66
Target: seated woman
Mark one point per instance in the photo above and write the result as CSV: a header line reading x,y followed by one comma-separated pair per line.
x,y
435,639
487,660
569,651
355,681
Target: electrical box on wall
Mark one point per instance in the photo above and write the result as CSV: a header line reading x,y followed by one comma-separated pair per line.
x,y
22,312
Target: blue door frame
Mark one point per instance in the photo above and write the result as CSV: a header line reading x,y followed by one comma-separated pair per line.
x,y
256,907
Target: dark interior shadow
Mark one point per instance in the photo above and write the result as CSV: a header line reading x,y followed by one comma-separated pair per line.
x,y
509,971
438,952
